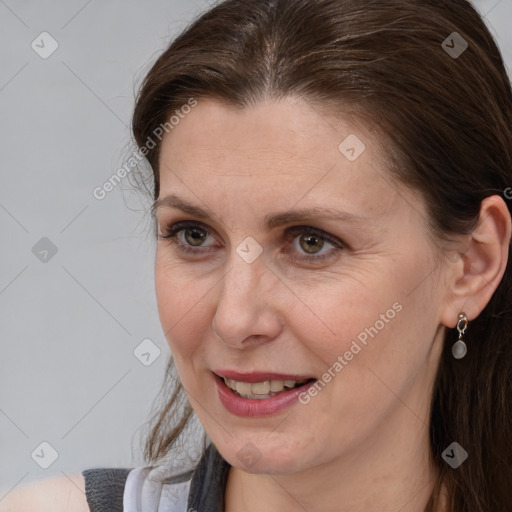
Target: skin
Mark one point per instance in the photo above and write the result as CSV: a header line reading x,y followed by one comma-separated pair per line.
x,y
362,443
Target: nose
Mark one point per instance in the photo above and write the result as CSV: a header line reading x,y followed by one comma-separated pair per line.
x,y
247,311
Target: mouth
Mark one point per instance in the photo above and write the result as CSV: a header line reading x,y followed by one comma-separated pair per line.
x,y
249,387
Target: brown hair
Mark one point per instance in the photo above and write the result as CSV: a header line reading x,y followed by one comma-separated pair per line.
x,y
448,126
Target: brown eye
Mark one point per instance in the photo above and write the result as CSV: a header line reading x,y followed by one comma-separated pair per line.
x,y
189,237
194,236
311,243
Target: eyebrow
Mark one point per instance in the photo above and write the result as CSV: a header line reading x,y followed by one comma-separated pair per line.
x,y
271,221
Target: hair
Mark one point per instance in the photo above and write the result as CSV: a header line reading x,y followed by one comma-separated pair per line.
x,y
447,124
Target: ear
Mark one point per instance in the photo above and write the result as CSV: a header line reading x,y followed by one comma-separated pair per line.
x,y
480,266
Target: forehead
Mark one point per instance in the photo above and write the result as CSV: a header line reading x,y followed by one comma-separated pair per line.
x,y
286,150
290,127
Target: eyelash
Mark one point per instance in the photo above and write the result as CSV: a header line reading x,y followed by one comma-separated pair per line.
x,y
171,232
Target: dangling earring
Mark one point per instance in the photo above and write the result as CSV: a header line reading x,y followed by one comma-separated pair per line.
x,y
459,349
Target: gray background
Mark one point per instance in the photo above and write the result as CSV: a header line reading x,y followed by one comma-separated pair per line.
x,y
70,321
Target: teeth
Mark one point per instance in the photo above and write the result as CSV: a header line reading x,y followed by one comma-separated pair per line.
x,y
261,390
243,387
276,385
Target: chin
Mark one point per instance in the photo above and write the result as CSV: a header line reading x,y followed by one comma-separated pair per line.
x,y
263,456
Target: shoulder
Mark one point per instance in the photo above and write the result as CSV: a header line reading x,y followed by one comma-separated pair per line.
x,y
56,494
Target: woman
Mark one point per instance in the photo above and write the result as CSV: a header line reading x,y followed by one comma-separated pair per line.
x,y
332,211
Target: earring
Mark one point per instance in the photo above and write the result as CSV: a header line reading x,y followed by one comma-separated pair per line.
x,y
459,349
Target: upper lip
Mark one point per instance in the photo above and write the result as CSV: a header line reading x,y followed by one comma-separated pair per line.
x,y
259,376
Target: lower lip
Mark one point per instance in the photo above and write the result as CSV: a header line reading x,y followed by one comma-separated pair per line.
x,y
257,407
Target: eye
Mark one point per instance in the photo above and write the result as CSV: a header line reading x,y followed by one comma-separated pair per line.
x,y
188,236
308,242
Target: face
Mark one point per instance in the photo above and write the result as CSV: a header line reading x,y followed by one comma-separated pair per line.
x,y
310,264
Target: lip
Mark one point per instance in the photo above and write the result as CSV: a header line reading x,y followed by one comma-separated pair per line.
x,y
248,407
259,376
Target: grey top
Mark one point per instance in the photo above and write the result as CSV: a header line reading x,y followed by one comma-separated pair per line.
x,y
104,487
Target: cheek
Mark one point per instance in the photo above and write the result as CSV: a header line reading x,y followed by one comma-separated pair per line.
x,y
344,311
372,322
385,335
182,306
